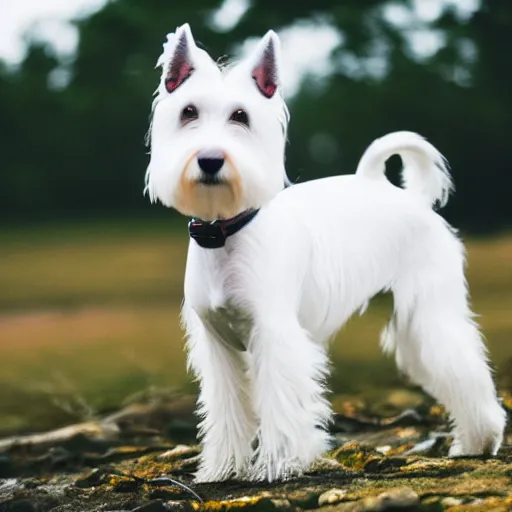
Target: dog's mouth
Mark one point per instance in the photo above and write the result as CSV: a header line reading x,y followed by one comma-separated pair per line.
x,y
211,181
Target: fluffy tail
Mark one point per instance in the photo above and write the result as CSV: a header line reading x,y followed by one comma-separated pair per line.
x,y
425,171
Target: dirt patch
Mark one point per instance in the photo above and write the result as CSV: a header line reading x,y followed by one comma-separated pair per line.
x,y
390,454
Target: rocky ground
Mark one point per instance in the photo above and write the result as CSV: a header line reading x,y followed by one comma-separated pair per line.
x,y
390,454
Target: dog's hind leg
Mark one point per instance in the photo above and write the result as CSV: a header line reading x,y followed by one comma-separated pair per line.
x,y
439,346
228,424
288,374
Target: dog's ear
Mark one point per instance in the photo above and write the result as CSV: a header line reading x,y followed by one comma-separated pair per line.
x,y
180,65
265,70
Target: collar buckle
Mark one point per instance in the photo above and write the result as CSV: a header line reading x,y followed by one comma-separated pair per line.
x,y
213,235
207,234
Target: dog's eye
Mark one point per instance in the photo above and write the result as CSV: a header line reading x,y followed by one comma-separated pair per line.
x,y
240,116
189,113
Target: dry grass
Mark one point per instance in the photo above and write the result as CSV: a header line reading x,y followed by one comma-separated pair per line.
x,y
93,264
91,312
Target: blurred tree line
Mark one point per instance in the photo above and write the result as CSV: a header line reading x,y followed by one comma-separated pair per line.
x,y
72,133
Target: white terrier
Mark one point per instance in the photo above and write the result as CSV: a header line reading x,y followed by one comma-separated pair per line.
x,y
274,272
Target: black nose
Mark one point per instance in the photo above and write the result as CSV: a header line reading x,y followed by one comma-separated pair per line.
x,y
210,166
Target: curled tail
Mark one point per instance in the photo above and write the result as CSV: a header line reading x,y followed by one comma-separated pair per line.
x,y
425,171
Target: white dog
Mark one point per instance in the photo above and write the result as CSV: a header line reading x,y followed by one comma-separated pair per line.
x,y
274,272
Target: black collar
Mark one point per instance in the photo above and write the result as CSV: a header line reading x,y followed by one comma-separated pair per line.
x,y
212,235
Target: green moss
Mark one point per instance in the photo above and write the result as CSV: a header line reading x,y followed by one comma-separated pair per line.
x,y
356,456
252,503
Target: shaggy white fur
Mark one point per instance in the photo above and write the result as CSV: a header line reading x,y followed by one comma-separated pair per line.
x,y
258,312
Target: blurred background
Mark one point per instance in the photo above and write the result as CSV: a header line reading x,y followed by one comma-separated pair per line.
x,y
91,273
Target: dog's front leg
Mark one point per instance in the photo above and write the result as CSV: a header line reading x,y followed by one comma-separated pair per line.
x,y
289,370
227,424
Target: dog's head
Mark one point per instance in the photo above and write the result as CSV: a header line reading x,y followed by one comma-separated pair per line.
x,y
217,134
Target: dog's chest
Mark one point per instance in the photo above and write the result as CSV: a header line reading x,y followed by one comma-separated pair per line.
x,y
232,325
212,288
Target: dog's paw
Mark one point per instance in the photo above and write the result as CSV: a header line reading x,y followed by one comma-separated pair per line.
x,y
207,474
214,470
486,440
268,468
488,447
456,449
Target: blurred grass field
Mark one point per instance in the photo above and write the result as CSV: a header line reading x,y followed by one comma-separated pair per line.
x,y
89,316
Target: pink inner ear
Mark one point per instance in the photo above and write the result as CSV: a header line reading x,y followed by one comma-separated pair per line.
x,y
180,67
177,75
265,80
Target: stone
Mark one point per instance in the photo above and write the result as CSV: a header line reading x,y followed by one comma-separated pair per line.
x,y
450,501
392,500
331,496
326,464
93,478
281,504
9,485
180,451
398,498
139,468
